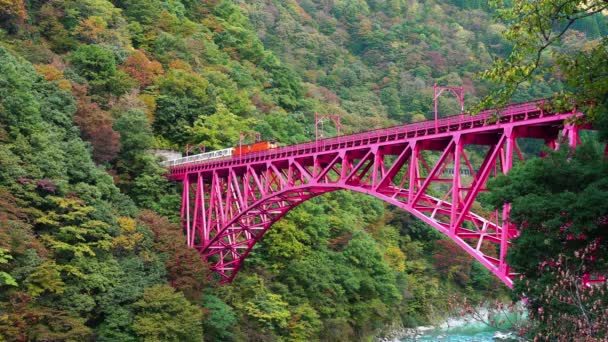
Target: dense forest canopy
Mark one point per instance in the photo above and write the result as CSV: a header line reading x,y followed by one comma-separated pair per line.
x,y
90,248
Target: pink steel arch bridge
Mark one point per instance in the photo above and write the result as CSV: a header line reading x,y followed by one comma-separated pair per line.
x,y
229,203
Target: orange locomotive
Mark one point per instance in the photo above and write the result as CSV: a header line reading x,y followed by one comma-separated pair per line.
x,y
255,147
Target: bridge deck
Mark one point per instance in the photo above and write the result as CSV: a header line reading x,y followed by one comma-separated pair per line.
x,y
524,113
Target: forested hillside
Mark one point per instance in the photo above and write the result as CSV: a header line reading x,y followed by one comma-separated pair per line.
x,y
90,248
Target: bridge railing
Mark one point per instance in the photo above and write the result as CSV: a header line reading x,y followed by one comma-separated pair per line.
x,y
459,119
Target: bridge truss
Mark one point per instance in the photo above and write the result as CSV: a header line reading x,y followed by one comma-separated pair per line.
x,y
228,204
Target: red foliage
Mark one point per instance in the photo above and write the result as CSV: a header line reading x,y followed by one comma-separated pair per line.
x,y
572,307
23,321
437,61
325,94
9,209
451,261
96,126
16,234
262,104
47,185
141,68
185,268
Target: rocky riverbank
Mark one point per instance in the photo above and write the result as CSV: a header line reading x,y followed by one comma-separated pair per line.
x,y
460,329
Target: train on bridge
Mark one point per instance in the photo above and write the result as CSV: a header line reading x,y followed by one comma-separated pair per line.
x,y
224,153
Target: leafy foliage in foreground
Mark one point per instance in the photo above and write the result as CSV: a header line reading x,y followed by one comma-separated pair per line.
x,y
560,202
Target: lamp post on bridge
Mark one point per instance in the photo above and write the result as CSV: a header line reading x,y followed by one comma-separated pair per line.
x,y
437,90
319,118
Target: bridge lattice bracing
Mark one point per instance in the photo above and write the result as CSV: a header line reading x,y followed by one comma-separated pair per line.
x,y
228,204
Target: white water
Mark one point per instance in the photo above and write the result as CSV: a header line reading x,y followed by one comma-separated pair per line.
x,y
466,329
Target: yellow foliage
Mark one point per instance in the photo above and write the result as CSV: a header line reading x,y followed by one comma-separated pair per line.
x,y
150,103
418,117
92,29
129,237
213,25
13,7
295,6
180,64
65,85
127,224
395,258
365,28
52,73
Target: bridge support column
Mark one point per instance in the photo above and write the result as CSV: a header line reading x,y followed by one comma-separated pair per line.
x,y
571,133
413,172
456,184
507,164
185,212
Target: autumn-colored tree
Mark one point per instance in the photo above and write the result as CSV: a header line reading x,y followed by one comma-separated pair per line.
x,y
52,73
185,267
180,64
451,261
14,8
92,29
141,68
23,321
96,126
395,258
568,309
70,229
85,270
130,238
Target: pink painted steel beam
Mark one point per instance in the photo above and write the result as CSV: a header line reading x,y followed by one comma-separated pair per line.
x,y
228,204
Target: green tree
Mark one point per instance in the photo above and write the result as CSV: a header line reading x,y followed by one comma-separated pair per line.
x,y
143,11
219,130
269,310
135,138
220,319
537,29
150,188
560,202
285,87
390,98
135,273
94,63
5,278
45,278
305,323
183,98
181,321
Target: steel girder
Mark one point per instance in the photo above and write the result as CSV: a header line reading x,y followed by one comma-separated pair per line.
x,y
228,205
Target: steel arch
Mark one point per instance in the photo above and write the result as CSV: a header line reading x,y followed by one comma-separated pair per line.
x,y
228,204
